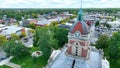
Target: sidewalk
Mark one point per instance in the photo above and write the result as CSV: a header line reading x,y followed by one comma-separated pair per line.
x,y
10,64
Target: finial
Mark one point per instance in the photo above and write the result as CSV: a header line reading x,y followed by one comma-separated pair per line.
x,y
80,13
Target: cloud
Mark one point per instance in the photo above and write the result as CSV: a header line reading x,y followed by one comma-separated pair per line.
x,y
59,3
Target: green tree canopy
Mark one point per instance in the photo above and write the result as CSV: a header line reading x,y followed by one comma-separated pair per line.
x,y
97,23
14,37
15,48
32,25
111,46
114,48
102,42
60,34
3,39
45,41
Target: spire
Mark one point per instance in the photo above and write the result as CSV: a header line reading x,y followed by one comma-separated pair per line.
x,y
80,13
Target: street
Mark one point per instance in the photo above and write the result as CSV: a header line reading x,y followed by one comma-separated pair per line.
x,y
93,35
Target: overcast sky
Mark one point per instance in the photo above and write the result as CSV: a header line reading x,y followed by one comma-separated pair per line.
x,y
59,3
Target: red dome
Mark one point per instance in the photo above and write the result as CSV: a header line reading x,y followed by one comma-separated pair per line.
x,y
81,27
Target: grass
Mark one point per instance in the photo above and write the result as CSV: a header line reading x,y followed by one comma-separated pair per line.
x,y
28,62
115,64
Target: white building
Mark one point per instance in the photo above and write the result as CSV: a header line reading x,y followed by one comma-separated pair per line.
x,y
8,30
114,24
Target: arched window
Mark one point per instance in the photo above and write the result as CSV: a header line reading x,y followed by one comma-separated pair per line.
x,y
76,53
76,43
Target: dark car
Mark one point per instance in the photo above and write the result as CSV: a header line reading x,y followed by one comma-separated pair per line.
x,y
25,40
30,36
97,29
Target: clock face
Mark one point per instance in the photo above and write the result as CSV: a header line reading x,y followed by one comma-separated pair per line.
x,y
77,34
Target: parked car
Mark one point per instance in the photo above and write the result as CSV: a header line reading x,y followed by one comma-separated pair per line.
x,y
2,58
30,36
97,29
25,40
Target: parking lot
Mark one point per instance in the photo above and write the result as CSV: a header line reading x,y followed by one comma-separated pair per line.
x,y
27,41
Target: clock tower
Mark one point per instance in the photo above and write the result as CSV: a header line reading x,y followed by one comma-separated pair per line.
x,y
78,38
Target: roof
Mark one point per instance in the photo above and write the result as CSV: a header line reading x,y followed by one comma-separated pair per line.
x,y
80,26
1,25
64,26
63,61
10,29
54,54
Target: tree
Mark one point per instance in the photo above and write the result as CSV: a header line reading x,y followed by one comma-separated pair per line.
x,y
32,25
23,34
14,37
60,34
113,19
108,26
114,48
34,15
97,23
43,34
32,31
44,40
53,23
73,16
15,48
18,17
102,42
64,20
3,39
111,46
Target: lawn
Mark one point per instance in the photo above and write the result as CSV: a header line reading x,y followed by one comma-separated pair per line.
x,y
4,66
27,62
115,65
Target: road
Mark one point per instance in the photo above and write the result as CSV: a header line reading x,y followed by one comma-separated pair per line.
x,y
93,35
